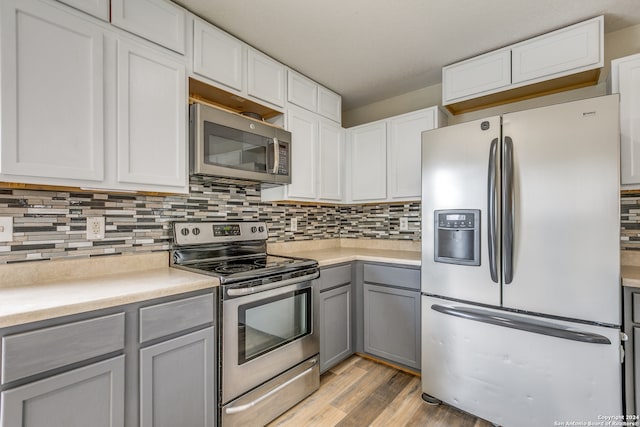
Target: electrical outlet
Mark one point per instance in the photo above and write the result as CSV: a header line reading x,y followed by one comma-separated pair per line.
x,y
294,224
6,229
404,223
95,228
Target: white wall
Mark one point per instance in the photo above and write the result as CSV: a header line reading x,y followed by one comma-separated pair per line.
x,y
616,44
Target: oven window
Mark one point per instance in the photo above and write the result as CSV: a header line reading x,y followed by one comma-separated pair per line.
x,y
228,147
273,322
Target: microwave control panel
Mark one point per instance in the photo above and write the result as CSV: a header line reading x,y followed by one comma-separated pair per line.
x,y
283,159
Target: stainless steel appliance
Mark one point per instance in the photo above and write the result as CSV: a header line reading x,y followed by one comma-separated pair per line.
x,y
232,146
268,337
520,265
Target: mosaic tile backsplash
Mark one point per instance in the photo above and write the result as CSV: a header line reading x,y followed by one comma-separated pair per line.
x,y
49,224
630,222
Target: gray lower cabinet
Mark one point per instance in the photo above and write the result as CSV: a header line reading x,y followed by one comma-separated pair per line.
x,y
631,326
176,382
145,364
336,315
390,312
89,396
335,326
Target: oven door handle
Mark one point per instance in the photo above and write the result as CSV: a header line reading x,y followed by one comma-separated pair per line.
x,y
242,408
237,292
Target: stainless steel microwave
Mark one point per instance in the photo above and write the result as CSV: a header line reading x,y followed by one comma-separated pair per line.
x,y
228,145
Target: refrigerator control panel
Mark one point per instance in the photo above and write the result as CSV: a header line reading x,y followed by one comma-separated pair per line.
x,y
457,236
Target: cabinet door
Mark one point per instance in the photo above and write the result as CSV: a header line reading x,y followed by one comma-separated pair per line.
x,y
475,76
52,93
329,104
330,157
97,8
368,146
265,78
303,126
566,51
217,55
636,366
89,396
625,74
159,21
302,91
152,116
177,380
404,153
335,326
392,324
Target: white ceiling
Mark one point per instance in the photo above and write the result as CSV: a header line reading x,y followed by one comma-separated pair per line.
x,y
369,50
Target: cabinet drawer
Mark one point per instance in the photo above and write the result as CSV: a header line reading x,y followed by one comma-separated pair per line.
x,y
163,319
394,276
33,352
335,276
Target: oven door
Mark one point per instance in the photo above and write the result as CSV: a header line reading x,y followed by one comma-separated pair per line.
x,y
265,333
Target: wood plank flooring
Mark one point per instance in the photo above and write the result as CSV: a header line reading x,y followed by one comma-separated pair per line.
x,y
361,392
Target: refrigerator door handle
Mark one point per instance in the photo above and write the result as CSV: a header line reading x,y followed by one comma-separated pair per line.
x,y
507,209
492,208
515,322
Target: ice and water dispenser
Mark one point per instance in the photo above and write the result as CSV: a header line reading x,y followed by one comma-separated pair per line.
x,y
457,236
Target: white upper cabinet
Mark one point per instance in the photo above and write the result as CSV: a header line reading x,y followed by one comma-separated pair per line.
x,y
316,160
151,119
225,62
309,95
404,147
330,161
625,80
265,78
97,8
477,75
304,143
217,55
87,105
385,156
160,21
533,66
302,91
329,104
52,93
562,52
368,171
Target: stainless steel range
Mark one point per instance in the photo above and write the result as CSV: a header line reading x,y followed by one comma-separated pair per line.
x,y
268,338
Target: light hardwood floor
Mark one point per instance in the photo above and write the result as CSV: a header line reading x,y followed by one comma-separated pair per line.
x,y
361,392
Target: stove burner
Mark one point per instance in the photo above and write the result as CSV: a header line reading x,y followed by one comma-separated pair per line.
x,y
231,269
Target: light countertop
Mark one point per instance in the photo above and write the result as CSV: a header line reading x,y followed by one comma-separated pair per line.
x,y
34,291
336,251
31,292
630,276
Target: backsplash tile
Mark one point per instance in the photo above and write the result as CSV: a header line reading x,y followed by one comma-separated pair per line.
x,y
50,224
630,221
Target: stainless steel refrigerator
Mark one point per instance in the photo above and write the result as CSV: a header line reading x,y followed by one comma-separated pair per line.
x,y
521,294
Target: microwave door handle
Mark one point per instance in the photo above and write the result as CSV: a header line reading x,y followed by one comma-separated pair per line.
x,y
276,156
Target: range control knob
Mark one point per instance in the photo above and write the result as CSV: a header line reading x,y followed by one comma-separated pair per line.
x,y
254,229
261,229
196,231
184,231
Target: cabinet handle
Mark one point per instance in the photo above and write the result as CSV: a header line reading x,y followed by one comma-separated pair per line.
x,y
276,155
